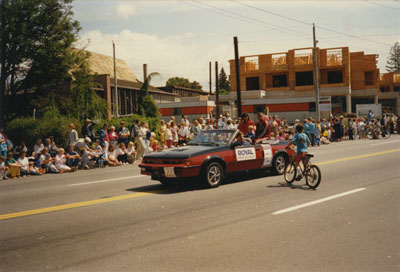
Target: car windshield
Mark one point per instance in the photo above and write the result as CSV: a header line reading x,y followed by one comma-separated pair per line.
x,y
213,137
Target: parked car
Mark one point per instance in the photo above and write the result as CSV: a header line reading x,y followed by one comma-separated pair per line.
x,y
212,155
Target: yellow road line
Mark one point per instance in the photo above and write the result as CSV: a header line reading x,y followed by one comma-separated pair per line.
x,y
74,205
122,197
359,157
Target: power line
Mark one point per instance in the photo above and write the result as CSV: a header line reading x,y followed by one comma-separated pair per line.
x,y
275,27
273,13
227,15
302,22
382,5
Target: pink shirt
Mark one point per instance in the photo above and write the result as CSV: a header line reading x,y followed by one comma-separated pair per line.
x,y
60,159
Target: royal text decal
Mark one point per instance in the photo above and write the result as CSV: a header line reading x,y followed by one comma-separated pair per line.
x,y
244,154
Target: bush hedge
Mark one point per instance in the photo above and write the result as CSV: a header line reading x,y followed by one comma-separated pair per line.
x,y
29,130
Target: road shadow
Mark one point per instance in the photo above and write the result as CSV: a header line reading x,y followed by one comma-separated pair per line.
x,y
291,186
196,184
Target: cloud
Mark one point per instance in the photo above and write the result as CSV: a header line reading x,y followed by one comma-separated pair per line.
x,y
125,11
171,56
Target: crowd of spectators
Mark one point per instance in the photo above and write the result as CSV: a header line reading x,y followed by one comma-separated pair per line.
x,y
123,146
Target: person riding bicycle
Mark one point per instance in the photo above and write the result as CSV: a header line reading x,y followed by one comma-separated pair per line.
x,y
302,142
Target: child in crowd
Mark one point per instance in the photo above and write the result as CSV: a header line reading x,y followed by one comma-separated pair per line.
x,y
3,168
111,157
121,153
131,153
251,133
13,166
272,136
168,135
317,133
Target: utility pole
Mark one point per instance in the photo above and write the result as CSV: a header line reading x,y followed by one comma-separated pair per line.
x,y
144,72
210,82
239,96
316,85
115,85
216,89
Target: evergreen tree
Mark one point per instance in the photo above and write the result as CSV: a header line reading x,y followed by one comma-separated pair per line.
x,y
223,83
393,62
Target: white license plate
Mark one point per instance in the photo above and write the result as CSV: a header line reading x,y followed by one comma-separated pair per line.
x,y
169,172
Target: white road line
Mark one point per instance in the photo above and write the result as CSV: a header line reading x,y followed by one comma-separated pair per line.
x,y
386,143
317,201
104,180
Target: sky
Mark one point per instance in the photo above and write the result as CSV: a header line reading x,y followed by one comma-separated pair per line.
x,y
179,38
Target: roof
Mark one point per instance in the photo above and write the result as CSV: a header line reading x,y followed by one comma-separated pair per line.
x,y
102,64
137,85
170,88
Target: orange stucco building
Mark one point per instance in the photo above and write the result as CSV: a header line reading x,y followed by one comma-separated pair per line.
x,y
349,78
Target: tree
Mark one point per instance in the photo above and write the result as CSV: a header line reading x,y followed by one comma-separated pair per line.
x,y
147,105
183,82
223,83
393,62
87,103
36,39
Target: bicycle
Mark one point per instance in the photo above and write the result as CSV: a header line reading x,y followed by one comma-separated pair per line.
x,y
310,172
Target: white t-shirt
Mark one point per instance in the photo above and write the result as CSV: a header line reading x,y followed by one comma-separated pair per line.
x,y
184,132
168,134
24,163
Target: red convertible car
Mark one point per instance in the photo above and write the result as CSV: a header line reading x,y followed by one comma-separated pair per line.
x,y
212,155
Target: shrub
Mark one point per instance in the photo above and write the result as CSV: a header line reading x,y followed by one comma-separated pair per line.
x,y
29,130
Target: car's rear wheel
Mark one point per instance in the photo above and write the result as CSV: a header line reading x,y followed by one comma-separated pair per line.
x,y
213,175
279,164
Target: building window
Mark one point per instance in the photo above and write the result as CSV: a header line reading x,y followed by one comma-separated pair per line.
x,y
252,83
369,78
259,108
251,64
397,89
177,111
335,77
304,78
279,81
385,89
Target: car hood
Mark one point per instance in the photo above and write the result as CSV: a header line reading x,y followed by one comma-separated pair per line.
x,y
184,152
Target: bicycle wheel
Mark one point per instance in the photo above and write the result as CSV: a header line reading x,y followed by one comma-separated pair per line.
x,y
313,177
290,172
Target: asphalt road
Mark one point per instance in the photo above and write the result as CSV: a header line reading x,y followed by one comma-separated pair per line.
x,y
113,219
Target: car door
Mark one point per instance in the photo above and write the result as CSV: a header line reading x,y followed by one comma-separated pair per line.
x,y
246,158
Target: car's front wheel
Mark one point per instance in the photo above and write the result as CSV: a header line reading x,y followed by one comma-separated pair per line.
x,y
213,174
279,164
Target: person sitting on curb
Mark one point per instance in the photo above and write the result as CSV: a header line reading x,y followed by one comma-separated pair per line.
x,y
60,162
73,158
13,166
46,162
3,168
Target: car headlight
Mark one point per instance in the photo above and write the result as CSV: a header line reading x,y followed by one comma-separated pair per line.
x,y
188,162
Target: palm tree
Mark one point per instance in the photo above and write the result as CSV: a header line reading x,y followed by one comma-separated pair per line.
x,y
147,105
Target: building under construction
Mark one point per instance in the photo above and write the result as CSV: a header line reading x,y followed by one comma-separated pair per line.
x,y
348,78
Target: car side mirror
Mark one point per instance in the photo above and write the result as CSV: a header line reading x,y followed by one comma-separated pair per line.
x,y
235,144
